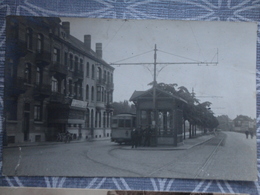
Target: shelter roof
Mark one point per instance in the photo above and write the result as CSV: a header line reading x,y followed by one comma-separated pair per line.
x,y
139,94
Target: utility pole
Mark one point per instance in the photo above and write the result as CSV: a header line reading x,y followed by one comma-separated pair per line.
x,y
154,95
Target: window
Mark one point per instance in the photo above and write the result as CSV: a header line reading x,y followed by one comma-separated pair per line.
x,y
80,90
27,73
87,70
65,59
87,92
99,74
76,64
127,123
104,119
99,119
29,36
71,62
98,93
93,72
54,84
56,55
76,89
105,75
70,87
81,65
37,113
105,96
39,43
92,93
38,76
102,94
108,77
87,118
121,123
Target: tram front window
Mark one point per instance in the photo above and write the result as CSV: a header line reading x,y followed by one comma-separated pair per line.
x,y
121,123
127,123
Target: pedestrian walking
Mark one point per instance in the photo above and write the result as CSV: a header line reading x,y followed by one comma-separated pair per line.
x,y
134,138
251,134
247,133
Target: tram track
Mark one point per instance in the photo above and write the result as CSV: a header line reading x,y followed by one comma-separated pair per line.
x,y
113,167
210,157
126,165
219,140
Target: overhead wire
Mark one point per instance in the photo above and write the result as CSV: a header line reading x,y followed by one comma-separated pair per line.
x,y
132,56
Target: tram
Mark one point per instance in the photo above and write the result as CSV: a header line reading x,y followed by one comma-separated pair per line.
x,y
122,125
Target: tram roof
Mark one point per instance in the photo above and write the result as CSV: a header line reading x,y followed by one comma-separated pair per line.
x,y
138,94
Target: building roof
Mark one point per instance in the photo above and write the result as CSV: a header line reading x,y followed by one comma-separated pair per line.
x,y
138,94
92,54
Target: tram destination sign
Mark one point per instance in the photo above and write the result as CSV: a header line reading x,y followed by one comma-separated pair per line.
x,y
130,98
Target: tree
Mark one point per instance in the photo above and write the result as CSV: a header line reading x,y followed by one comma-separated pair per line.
x,y
198,114
123,107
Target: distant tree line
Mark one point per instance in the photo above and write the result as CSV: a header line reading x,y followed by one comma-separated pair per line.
x,y
123,107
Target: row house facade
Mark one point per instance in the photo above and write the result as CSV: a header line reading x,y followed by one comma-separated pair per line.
x,y
54,82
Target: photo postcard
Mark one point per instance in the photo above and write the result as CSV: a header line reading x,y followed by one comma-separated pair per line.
x,y
130,98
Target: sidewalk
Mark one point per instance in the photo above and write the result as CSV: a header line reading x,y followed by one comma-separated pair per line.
x,y
185,145
28,144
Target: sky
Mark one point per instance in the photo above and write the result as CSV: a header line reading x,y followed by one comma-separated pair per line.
x,y
229,85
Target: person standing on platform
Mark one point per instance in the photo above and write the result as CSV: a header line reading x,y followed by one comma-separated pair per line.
x,y
134,138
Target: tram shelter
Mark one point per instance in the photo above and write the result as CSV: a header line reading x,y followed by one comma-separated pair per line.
x,y
163,112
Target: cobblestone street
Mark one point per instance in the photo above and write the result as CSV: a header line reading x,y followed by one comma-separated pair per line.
x,y
220,157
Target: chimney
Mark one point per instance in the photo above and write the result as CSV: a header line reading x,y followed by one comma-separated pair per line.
x,y
87,41
99,50
66,27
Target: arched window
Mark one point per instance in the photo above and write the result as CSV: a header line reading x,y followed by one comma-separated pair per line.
x,y
93,72
87,92
40,43
92,93
27,73
29,38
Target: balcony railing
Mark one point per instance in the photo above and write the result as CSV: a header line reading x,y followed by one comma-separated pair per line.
x,y
58,67
59,98
42,89
110,85
101,81
78,74
17,86
43,57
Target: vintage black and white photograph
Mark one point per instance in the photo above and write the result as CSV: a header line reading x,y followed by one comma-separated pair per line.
x,y
130,98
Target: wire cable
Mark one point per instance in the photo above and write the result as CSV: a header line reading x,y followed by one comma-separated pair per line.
x,y
132,57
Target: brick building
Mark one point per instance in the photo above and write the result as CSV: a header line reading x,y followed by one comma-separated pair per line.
x,y
54,82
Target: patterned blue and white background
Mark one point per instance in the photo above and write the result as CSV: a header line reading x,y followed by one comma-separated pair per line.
x,y
223,10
